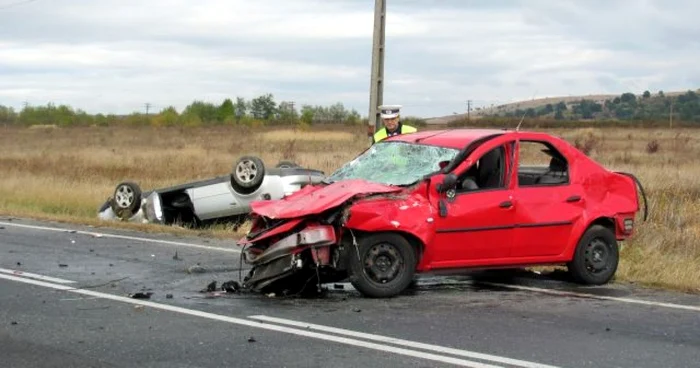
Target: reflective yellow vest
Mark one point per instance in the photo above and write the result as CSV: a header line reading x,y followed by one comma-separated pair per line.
x,y
382,133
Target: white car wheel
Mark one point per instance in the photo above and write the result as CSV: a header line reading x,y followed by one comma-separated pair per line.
x,y
126,200
248,173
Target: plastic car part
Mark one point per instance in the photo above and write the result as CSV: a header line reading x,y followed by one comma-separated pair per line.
x,y
126,200
248,174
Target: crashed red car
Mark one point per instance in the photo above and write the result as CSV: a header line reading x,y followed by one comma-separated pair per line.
x,y
445,201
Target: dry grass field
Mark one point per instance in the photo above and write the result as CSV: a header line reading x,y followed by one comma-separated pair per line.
x,y
66,174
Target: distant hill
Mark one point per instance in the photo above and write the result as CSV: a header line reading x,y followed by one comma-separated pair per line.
x,y
601,106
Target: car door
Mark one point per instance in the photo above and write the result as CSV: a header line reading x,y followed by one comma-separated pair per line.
x,y
478,225
548,204
214,200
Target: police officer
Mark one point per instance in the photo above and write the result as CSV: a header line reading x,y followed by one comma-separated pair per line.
x,y
392,124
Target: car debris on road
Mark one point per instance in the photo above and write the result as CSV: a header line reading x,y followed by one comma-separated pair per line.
x,y
445,201
223,199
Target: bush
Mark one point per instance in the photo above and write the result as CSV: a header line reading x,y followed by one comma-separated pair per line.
x,y
653,146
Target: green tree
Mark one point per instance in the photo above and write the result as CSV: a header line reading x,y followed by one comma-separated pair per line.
x,y
241,108
226,111
307,114
263,107
7,115
205,111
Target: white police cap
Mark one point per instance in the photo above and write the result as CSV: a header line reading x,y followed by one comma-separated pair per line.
x,y
389,111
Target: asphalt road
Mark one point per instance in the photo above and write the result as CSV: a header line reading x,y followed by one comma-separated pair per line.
x,y
64,302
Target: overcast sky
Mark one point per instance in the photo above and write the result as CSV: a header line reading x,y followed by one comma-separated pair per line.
x,y
113,56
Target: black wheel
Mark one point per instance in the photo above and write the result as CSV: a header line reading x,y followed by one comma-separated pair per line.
x,y
385,267
126,200
596,257
286,164
248,173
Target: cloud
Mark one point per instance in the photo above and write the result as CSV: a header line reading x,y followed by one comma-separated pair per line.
x,y
113,56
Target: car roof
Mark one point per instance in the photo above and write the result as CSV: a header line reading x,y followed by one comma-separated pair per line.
x,y
451,138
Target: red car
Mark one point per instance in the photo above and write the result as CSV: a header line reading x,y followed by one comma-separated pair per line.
x,y
445,200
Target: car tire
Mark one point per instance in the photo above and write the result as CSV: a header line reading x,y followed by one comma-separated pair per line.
x,y
248,174
126,200
596,257
286,165
385,267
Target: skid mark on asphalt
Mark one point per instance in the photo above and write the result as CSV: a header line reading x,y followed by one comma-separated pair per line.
x,y
443,358
125,237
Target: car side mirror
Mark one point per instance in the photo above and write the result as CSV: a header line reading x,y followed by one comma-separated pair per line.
x,y
448,182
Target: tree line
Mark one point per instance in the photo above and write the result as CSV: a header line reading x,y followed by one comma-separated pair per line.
x,y
627,106
261,110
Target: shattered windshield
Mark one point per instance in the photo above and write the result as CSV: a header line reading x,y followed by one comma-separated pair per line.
x,y
395,163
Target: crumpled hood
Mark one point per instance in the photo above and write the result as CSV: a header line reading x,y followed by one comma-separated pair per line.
x,y
312,200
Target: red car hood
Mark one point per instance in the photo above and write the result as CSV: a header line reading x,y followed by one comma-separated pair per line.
x,y
315,199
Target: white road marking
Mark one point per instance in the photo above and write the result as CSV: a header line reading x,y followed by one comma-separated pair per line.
x,y
35,276
406,343
591,296
260,324
519,287
103,235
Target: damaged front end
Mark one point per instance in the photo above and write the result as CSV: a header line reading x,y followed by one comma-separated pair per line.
x,y
290,256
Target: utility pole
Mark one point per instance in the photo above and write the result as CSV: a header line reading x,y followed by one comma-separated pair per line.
x,y
376,90
148,106
469,108
670,116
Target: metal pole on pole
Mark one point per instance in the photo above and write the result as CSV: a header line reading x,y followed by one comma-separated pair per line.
x,y
376,90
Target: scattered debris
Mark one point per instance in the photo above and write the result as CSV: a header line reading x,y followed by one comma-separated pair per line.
x,y
92,250
13,323
96,235
251,339
271,295
168,296
139,307
19,263
72,231
196,269
62,265
2,228
358,310
111,265
607,329
212,286
141,295
231,286
72,241
175,257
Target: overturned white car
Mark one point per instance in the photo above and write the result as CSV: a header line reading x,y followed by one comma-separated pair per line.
x,y
223,199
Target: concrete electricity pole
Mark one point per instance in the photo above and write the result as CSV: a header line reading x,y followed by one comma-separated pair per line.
x,y
376,90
